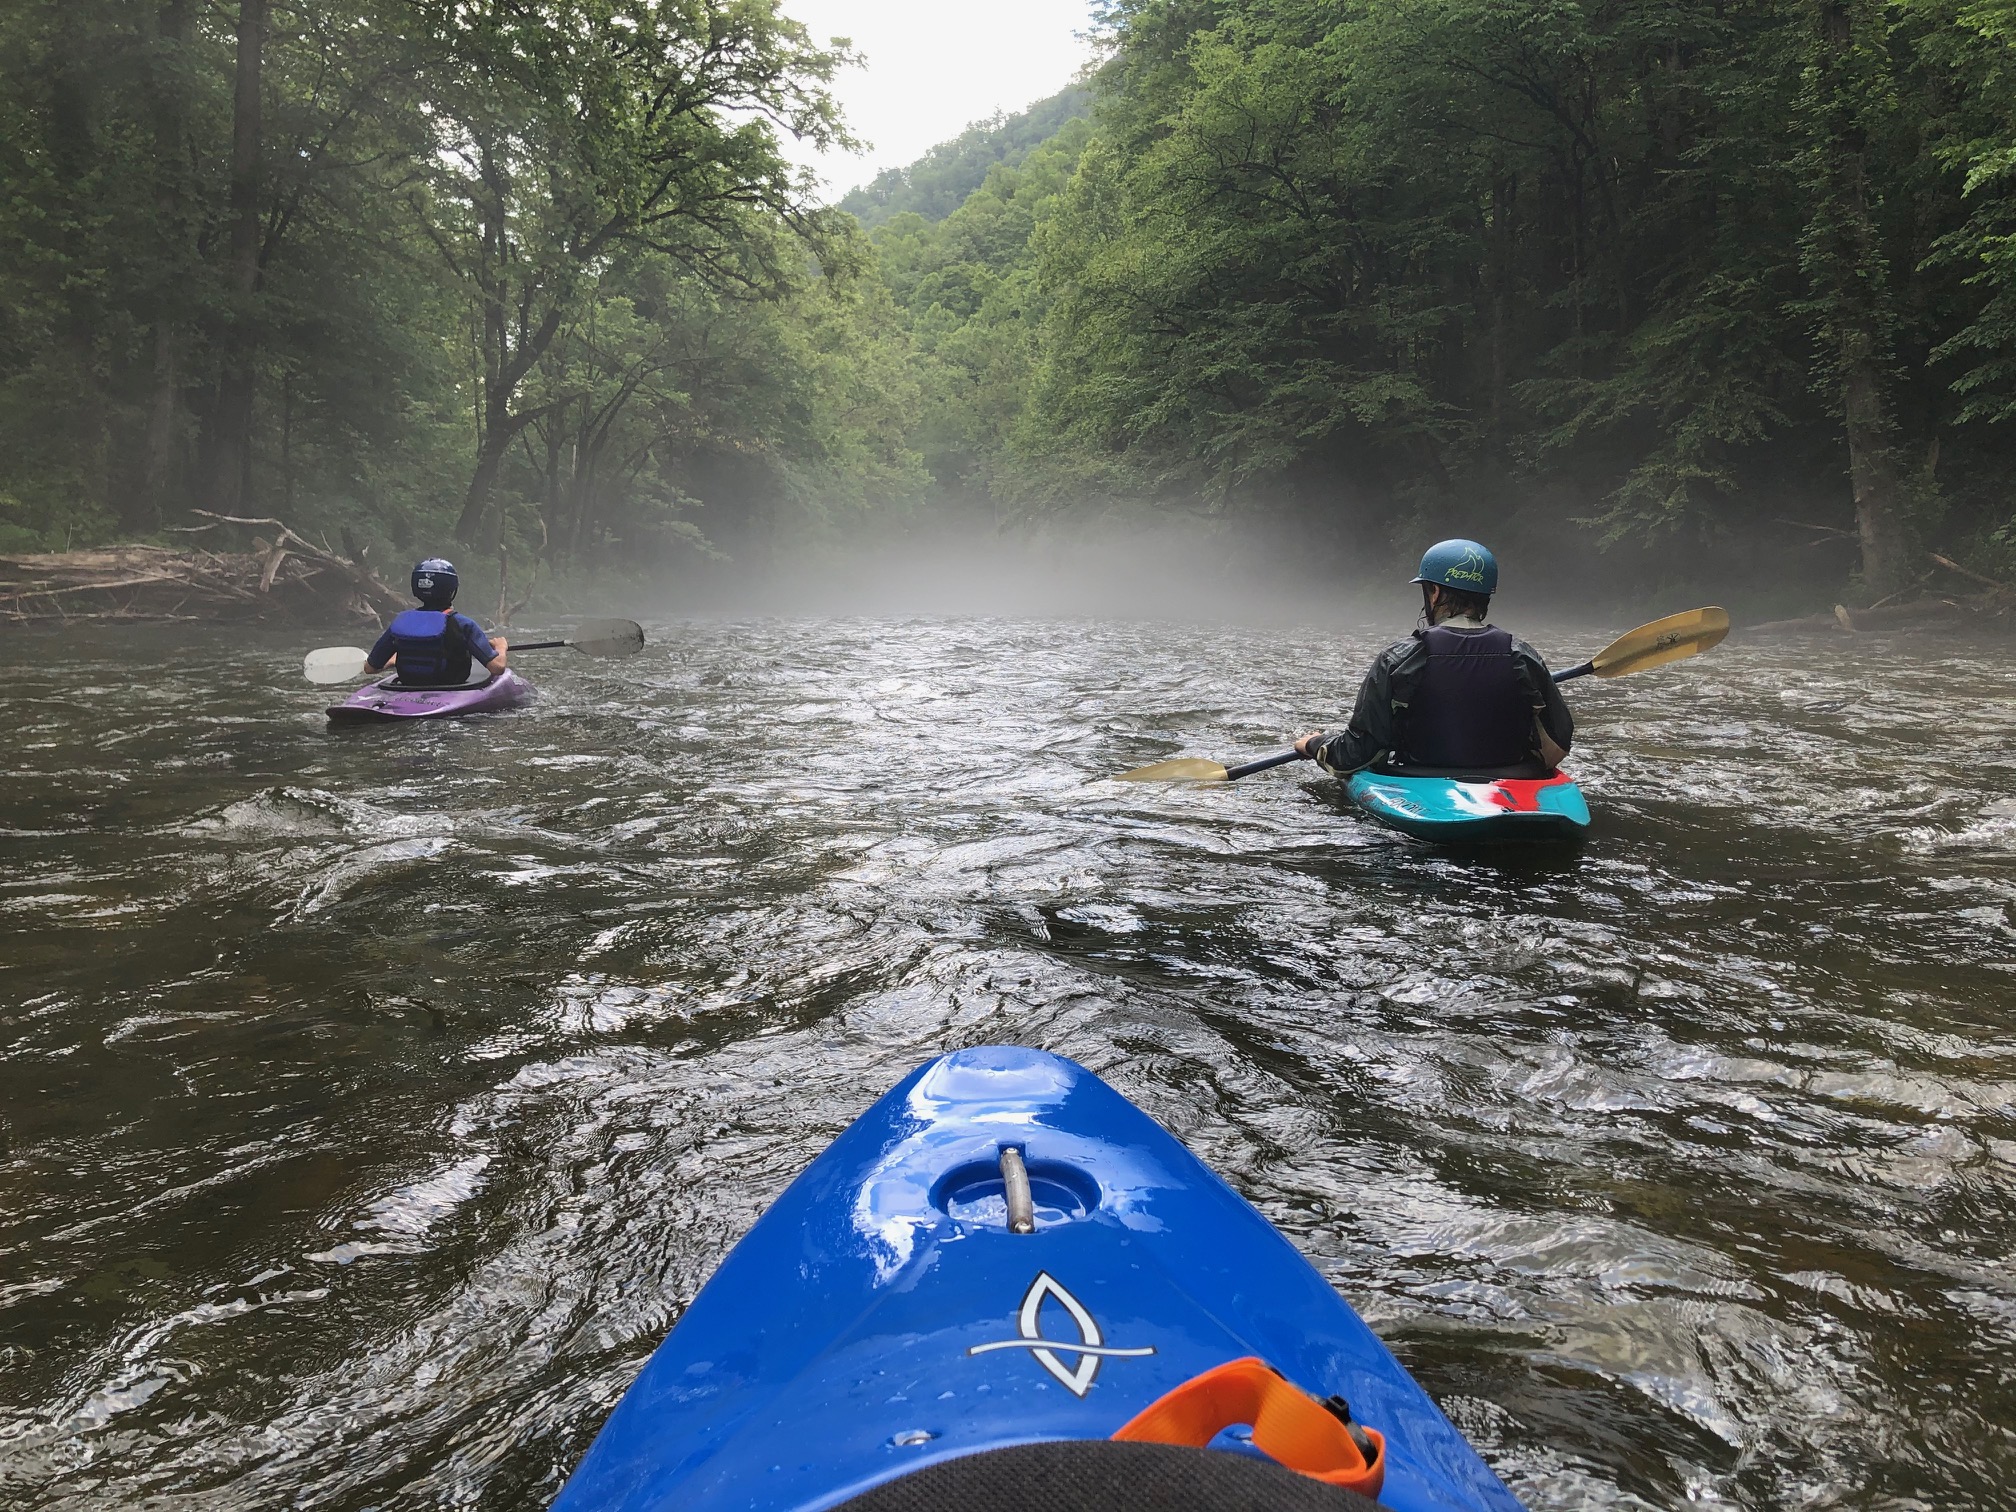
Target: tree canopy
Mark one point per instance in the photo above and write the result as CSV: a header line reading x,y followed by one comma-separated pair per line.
x,y
1704,286
503,273
1713,288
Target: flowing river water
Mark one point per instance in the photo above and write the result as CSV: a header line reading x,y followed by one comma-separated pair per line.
x,y
374,1099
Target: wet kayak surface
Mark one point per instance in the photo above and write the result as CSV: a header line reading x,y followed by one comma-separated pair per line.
x,y
372,1100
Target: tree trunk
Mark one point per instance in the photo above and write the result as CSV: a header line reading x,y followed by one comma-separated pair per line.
x,y
157,460
553,519
1844,257
501,425
493,416
511,345
230,444
287,441
576,505
1880,502
73,152
1580,231
157,453
1503,189
496,441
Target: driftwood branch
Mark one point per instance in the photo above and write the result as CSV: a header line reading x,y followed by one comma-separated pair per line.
x,y
1971,576
285,575
1822,533
47,589
381,599
1925,612
1994,606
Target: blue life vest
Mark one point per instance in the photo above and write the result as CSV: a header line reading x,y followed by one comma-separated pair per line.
x,y
1469,709
432,646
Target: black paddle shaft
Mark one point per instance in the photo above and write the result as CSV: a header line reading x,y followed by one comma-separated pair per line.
x,y
1582,671
604,638
1232,774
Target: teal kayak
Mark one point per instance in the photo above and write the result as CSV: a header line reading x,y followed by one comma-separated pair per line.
x,y
1456,812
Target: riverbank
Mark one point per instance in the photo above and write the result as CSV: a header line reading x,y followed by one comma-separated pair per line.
x,y
282,576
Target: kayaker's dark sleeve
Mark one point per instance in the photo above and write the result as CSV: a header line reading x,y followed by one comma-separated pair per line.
x,y
478,643
1548,703
1369,735
381,653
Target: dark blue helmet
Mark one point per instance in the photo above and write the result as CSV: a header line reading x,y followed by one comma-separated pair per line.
x,y
1460,564
435,582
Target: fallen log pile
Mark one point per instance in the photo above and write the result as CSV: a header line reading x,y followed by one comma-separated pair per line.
x,y
1920,607
283,576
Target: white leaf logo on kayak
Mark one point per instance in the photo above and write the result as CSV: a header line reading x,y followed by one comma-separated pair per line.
x,y
1090,1348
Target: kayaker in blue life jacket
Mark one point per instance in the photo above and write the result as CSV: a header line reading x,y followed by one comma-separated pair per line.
x,y
1460,697
433,646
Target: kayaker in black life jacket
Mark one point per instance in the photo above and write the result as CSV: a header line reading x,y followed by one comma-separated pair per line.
x,y
433,646
1460,698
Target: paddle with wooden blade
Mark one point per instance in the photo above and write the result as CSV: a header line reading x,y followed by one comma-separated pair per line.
x,y
601,638
1674,638
1196,769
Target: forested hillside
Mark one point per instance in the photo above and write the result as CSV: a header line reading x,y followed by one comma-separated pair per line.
x,y
1721,289
1656,289
938,182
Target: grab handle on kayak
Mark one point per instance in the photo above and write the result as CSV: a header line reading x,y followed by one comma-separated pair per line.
x,y
1015,1187
1318,1439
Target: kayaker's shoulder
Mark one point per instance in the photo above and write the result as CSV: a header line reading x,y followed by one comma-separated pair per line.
x,y
1525,649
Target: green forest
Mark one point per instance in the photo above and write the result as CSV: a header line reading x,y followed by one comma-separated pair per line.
x,y
1657,289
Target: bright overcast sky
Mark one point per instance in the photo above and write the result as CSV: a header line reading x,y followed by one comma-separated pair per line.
x,y
933,66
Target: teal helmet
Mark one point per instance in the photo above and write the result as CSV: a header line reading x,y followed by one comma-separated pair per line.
x,y
1463,565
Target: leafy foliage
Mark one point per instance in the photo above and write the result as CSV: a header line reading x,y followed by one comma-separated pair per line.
x,y
1692,281
1588,270
530,274
938,182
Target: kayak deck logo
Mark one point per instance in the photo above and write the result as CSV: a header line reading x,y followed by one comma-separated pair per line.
x,y
1090,1346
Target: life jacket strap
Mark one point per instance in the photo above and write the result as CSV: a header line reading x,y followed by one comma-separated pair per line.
x,y
1291,1427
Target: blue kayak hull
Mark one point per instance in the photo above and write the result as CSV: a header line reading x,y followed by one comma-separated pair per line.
x,y
881,1317
1463,813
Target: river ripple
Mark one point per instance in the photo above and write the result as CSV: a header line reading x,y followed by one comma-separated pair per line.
x,y
374,1099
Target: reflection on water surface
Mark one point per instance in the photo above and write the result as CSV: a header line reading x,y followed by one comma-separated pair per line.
x,y
373,1100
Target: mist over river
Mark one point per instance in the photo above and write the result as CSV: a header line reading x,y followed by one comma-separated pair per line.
x,y
374,1099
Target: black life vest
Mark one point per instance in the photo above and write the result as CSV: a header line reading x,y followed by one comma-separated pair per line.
x,y
1469,709
433,651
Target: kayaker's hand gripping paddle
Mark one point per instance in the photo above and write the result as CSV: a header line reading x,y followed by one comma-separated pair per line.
x,y
1674,638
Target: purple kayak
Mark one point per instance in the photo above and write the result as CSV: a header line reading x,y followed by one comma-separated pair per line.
x,y
388,700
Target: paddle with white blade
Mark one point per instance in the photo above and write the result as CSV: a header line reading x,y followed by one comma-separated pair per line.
x,y
1674,638
335,664
604,638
